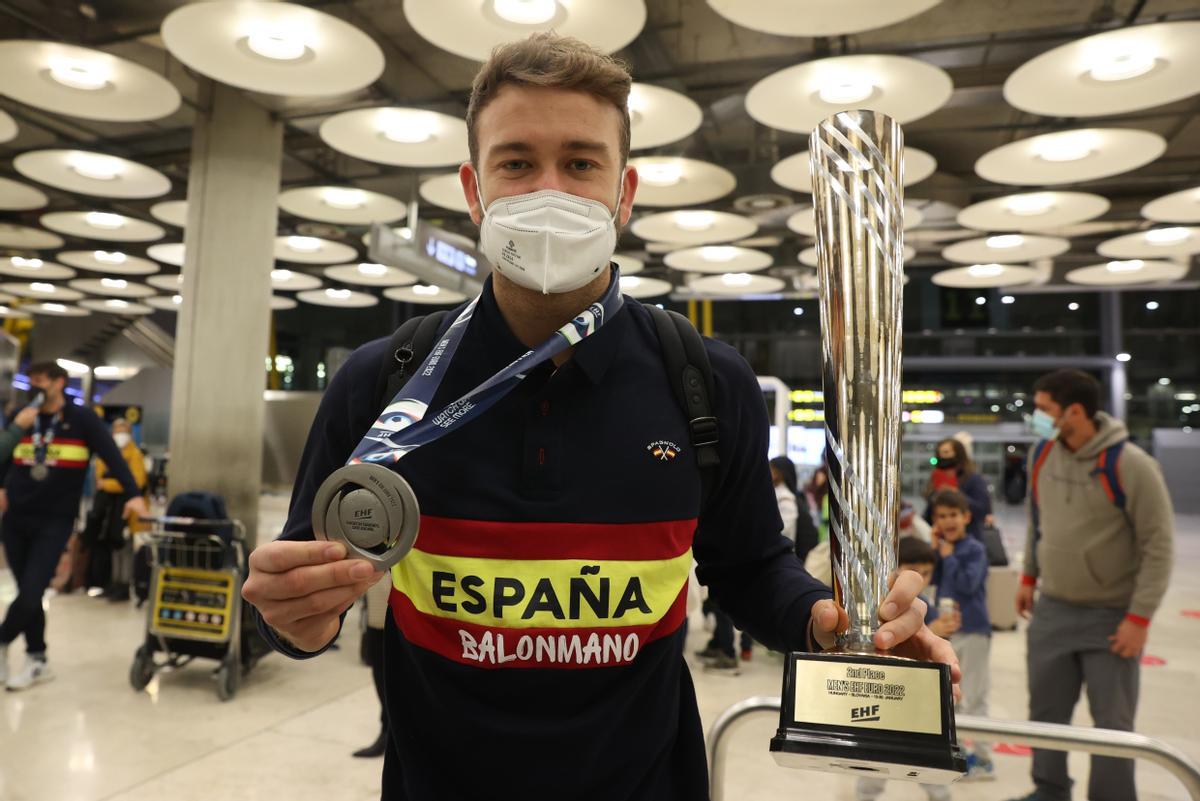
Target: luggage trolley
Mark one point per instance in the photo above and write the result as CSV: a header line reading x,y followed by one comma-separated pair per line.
x,y
195,608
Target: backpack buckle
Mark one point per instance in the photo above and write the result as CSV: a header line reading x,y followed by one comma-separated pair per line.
x,y
704,431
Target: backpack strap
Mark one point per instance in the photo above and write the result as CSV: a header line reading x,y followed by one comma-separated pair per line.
x,y
1040,451
690,374
1110,480
408,347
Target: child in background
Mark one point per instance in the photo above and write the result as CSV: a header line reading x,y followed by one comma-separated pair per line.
x,y
919,557
961,575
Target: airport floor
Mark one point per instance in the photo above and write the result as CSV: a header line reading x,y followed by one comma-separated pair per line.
x,y
87,736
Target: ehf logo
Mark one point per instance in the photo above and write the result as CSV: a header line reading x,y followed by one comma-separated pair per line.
x,y
863,714
663,450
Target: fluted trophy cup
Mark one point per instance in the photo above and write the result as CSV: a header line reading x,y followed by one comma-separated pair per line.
x,y
856,709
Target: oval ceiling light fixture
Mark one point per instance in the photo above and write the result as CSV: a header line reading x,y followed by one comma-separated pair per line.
x,y
312,250
291,280
22,237
797,98
342,205
472,28
819,17
716,259
40,290
1033,211
445,191
1115,72
635,286
89,173
273,47
102,225
338,298
117,306
112,287
16,196
425,295
1070,156
669,181
56,310
659,116
28,268
1006,249
1156,243
406,137
168,253
8,127
984,276
108,261
1177,207
1127,271
172,212
736,285
693,227
794,173
369,274
81,82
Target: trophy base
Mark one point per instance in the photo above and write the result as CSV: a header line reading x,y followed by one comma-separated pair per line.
x,y
885,717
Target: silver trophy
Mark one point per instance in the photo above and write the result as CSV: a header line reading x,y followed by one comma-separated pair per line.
x,y
856,709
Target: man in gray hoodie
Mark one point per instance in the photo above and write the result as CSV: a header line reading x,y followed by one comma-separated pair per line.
x,y
1100,545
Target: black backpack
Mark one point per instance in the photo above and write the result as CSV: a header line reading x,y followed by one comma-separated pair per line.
x,y
683,353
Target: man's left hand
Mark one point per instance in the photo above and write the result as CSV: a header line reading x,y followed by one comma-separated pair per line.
x,y
903,632
136,507
1130,639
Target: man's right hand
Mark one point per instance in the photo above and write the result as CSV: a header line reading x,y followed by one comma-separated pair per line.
x,y
1025,600
303,587
26,417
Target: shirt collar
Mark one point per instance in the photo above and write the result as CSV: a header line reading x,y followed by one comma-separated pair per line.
x,y
593,356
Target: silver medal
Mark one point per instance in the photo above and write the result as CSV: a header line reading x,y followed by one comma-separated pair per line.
x,y
39,472
371,510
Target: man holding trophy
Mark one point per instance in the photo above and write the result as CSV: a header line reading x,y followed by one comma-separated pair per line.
x,y
534,647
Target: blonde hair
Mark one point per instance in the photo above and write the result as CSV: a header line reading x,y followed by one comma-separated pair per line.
x,y
553,61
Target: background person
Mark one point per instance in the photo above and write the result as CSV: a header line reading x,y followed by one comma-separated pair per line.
x,y
955,470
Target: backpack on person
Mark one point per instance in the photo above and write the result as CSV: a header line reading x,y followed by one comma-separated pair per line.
x,y
1105,469
683,352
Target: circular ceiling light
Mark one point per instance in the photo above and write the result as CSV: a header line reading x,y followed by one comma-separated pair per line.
x,y
1007,248
23,237
342,205
113,287
400,136
798,98
635,286
16,196
40,290
34,268
1177,207
169,303
1070,156
627,264
736,284
472,28
659,116
312,250
1115,72
669,181
1156,243
1127,271
445,191
794,171
15,314
280,303
112,262
93,174
274,48
984,276
172,212
117,306
804,222
56,310
693,227
102,225
81,82
718,259
425,295
8,127
168,253
1033,211
819,17
291,280
171,283
370,274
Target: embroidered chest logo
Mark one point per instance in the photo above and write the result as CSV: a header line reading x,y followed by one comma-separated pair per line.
x,y
663,450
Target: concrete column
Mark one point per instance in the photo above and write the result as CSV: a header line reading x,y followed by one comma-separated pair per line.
x,y
221,339
1111,343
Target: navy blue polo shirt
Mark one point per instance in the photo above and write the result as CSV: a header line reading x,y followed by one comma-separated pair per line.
x,y
534,648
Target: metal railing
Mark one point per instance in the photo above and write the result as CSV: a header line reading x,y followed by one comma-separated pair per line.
x,y
1052,736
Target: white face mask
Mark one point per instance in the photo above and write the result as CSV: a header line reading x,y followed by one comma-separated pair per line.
x,y
548,241
122,439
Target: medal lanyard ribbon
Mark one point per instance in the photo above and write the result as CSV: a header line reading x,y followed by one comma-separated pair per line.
x,y
405,424
42,443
